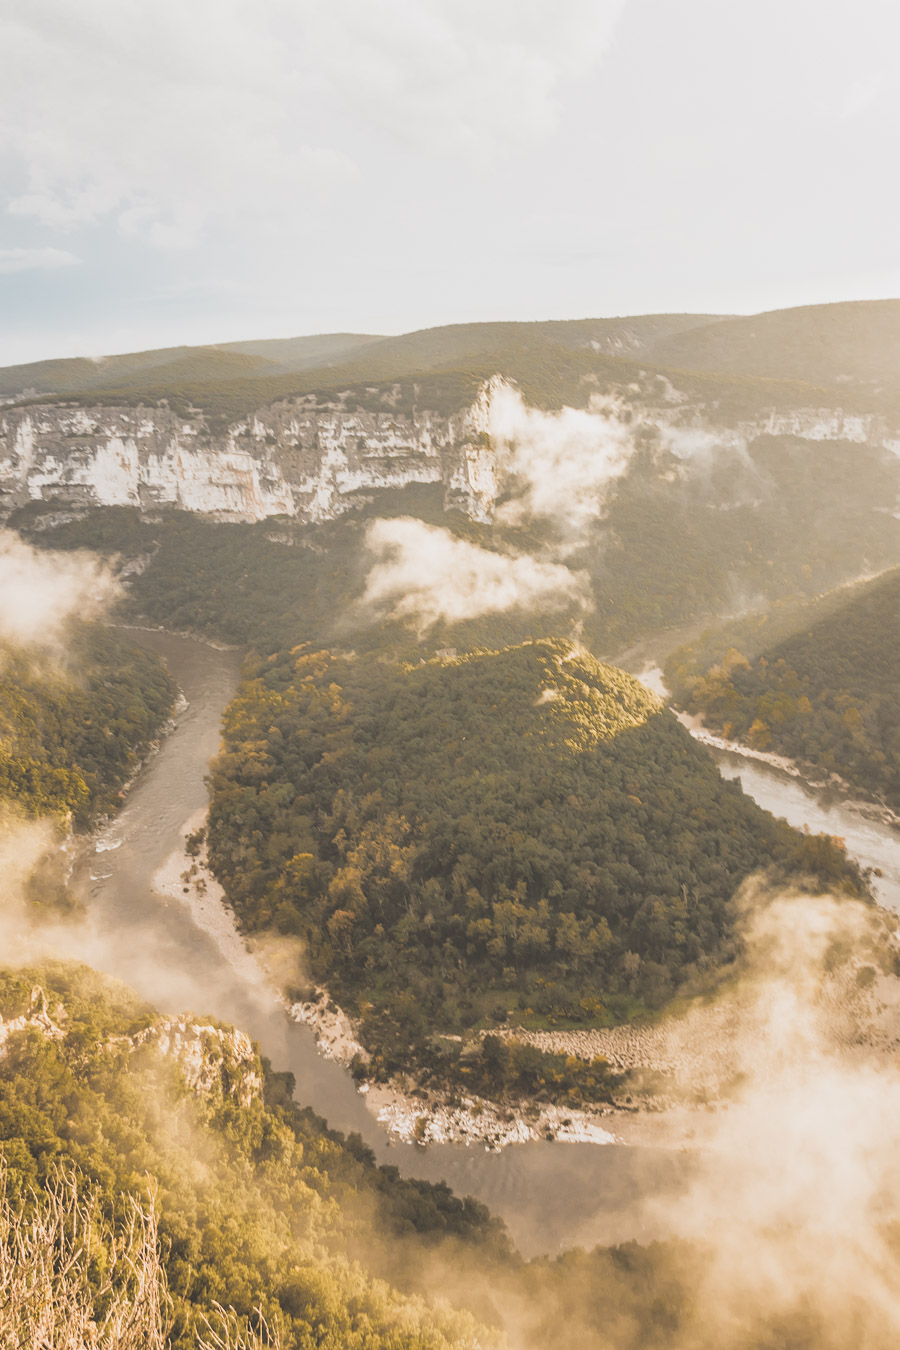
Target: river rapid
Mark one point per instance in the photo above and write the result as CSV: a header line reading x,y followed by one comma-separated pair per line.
x,y
551,1195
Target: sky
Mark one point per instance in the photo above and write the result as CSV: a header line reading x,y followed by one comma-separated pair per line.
x,y
190,171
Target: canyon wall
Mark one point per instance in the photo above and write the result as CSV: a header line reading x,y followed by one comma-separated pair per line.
x,y
306,458
299,458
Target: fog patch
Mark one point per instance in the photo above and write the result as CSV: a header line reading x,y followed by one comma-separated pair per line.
x,y
562,466
559,464
701,445
40,592
423,574
802,1176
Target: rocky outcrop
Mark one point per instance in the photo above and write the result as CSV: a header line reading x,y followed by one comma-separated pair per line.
x,y
213,1061
37,1018
313,459
301,457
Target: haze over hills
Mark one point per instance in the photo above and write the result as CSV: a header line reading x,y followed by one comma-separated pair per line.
x,y
695,492
491,867
358,355
824,691
854,345
849,347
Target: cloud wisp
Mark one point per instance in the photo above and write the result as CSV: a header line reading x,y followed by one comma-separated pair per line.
x,y
558,465
170,121
423,575
40,592
35,259
801,1182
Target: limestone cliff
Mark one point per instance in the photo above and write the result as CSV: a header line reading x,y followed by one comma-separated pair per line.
x,y
311,459
300,458
214,1061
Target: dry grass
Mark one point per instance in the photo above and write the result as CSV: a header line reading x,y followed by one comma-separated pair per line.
x,y
72,1280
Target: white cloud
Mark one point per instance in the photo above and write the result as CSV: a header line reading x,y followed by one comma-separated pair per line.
x,y
560,463
166,118
40,592
460,75
31,259
423,574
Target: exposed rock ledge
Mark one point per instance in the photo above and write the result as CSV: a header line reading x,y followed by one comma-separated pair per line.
x,y
37,1018
298,457
310,458
214,1061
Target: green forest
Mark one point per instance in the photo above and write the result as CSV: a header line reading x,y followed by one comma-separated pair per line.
x,y
827,694
74,729
522,832
260,1206
262,1210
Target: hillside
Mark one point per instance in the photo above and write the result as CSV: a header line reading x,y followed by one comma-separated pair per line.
x,y
366,354
825,694
260,1207
248,1203
73,732
520,832
854,346
177,365
676,539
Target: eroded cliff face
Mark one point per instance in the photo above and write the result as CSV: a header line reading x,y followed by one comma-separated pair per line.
x,y
300,458
214,1061
311,459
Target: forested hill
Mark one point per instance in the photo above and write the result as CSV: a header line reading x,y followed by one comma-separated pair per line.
x,y
269,369
74,729
264,1212
519,832
828,694
853,344
260,1207
825,355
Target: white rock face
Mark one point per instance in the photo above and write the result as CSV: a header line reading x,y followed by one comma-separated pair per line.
x,y
310,459
298,458
214,1062
36,1018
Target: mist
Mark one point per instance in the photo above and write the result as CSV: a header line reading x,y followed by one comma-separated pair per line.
x,y
40,592
801,1179
558,465
423,574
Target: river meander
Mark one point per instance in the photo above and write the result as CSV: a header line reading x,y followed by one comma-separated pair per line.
x,y
552,1195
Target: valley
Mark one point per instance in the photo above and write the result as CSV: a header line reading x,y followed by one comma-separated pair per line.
x,y
334,775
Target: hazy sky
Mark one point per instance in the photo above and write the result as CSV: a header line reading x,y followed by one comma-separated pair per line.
x,y
205,170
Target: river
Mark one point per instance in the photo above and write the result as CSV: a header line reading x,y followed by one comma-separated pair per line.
x,y
551,1195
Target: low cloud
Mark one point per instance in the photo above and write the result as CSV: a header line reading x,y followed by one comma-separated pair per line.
x,y
558,465
800,1179
423,574
40,592
701,445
